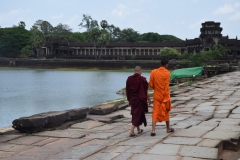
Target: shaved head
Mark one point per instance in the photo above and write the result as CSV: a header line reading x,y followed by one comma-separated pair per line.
x,y
137,69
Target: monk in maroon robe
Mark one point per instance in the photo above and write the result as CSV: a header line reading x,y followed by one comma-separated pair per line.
x,y
137,96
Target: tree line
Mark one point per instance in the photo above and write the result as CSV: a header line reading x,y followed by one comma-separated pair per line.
x,y
16,41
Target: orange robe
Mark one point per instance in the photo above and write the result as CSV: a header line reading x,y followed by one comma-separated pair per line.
x,y
159,82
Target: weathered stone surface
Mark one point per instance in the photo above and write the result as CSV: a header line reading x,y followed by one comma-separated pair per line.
x,y
229,121
191,158
5,138
153,156
137,149
164,149
105,156
209,123
121,105
221,135
101,135
27,140
45,141
209,143
188,122
62,134
105,142
4,155
189,133
124,156
37,122
87,125
78,152
78,113
235,116
102,109
227,107
106,118
160,134
207,128
178,110
204,108
148,141
116,149
14,147
198,118
199,152
182,140
228,128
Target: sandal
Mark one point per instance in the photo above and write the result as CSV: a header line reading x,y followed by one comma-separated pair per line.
x,y
141,130
132,134
153,134
171,130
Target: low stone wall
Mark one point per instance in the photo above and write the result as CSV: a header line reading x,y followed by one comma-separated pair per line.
x,y
86,64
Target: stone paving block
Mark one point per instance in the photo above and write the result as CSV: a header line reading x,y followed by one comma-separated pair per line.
x,y
14,147
103,135
236,110
221,135
116,149
124,156
199,152
204,108
5,138
87,124
182,140
164,149
19,157
229,121
209,123
198,118
103,128
46,141
209,143
207,128
206,114
137,149
190,105
62,134
139,141
101,156
160,134
4,155
227,128
153,156
235,116
106,142
188,122
189,133
179,118
178,110
226,107
209,103
27,140
78,152
191,158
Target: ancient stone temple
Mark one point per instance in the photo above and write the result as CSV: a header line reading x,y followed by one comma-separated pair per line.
x,y
210,35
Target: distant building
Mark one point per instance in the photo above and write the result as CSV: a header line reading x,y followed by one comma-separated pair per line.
x,y
210,35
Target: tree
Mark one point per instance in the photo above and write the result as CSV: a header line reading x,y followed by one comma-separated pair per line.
x,y
88,23
115,33
37,40
12,40
62,29
103,40
43,26
155,37
94,33
169,53
21,24
129,35
26,50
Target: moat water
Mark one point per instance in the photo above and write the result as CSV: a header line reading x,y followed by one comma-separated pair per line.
x,y
27,92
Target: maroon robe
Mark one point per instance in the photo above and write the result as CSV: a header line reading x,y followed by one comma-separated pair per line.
x,y
136,89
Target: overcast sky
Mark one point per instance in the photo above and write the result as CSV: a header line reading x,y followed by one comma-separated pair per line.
x,y
181,18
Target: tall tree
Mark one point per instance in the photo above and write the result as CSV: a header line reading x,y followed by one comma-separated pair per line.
x,y
88,23
21,24
94,33
104,36
37,40
129,35
44,26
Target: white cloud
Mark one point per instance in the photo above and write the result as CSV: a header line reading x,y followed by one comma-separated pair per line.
x,y
196,24
121,11
226,9
235,16
59,16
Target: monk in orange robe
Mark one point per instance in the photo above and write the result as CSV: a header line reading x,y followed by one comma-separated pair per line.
x,y
159,82
136,89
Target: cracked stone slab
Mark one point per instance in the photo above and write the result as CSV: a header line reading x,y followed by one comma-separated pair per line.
x,y
62,134
199,152
124,156
116,149
164,149
105,156
148,141
27,140
189,133
188,122
191,158
207,128
152,156
160,134
87,125
226,107
235,116
4,155
102,135
209,123
236,110
137,149
103,128
5,138
14,147
106,142
182,140
229,121
46,141
204,108
78,152
209,143
228,128
221,135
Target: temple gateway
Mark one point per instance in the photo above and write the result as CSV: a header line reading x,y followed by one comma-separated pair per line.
x,y
210,35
